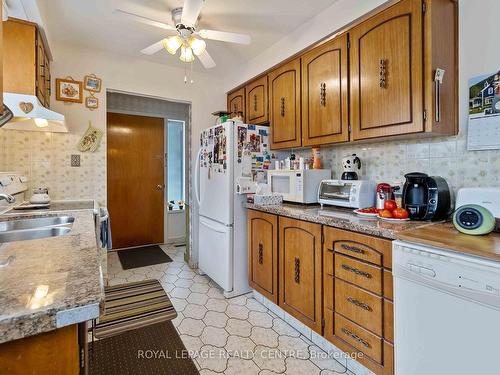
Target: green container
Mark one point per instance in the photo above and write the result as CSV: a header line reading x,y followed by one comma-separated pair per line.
x,y
474,220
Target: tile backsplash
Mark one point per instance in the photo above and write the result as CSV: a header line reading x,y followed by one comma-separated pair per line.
x,y
45,158
389,161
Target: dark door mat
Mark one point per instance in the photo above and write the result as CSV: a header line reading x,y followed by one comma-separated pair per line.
x,y
155,349
142,257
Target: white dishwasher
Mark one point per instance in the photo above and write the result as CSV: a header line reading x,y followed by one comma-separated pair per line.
x,y
446,312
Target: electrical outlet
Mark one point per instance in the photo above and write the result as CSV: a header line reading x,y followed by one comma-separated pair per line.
x,y
75,160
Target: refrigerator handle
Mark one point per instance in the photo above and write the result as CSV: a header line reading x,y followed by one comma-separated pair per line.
x,y
207,224
197,178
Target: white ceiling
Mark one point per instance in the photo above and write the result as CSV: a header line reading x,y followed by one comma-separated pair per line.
x,y
92,23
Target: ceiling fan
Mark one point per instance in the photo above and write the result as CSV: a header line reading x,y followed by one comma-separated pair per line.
x,y
186,37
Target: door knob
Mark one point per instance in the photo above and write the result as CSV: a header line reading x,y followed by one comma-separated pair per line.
x,y
159,187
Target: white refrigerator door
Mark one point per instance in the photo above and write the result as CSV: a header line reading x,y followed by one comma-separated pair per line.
x,y
216,179
216,252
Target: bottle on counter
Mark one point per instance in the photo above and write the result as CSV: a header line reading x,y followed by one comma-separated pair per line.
x,y
316,158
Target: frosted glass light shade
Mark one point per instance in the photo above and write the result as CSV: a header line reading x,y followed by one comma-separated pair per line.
x,y
198,46
186,54
172,44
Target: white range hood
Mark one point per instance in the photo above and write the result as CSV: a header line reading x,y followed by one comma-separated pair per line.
x,y
30,114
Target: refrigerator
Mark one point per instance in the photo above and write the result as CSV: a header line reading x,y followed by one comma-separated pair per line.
x,y
233,157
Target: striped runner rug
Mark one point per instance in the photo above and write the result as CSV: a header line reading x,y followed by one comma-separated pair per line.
x,y
133,305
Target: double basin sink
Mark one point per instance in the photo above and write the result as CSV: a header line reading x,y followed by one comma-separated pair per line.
x,y
35,228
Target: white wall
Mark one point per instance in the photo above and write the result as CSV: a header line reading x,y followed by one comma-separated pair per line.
x,y
141,77
330,20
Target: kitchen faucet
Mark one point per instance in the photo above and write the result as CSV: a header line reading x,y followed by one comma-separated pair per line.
x,y
9,198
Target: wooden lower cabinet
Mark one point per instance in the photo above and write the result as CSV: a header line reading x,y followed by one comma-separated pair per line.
x,y
51,353
337,282
300,292
357,305
263,253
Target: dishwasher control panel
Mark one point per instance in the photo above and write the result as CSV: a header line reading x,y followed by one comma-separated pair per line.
x,y
474,277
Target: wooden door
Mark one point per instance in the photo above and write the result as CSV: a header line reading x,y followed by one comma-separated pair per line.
x,y
386,73
325,112
41,84
135,179
257,101
19,64
300,290
263,253
284,112
236,103
47,80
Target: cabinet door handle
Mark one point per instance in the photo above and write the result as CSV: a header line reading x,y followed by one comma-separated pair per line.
x,y
297,270
383,73
261,253
356,271
255,103
354,249
322,94
282,106
358,303
355,337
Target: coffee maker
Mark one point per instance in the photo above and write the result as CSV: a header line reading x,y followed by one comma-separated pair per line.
x,y
426,198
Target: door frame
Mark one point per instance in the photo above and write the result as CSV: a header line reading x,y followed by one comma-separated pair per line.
x,y
187,152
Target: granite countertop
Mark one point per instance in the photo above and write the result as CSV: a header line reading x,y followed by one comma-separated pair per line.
x,y
342,218
50,282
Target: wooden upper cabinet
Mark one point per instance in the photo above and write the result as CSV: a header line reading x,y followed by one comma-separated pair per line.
x,y
284,110
263,253
257,101
386,73
300,290
26,67
236,103
325,113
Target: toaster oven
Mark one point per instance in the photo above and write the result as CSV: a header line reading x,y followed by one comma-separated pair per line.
x,y
347,193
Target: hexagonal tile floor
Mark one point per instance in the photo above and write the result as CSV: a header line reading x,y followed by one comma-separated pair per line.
x,y
229,336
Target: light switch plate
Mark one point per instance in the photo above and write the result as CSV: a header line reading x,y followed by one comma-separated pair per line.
x,y
75,160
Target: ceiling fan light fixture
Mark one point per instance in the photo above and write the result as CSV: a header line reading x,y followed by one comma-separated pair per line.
x,y
186,54
172,44
197,45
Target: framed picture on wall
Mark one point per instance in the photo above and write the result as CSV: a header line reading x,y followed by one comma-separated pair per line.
x,y
92,83
91,102
69,90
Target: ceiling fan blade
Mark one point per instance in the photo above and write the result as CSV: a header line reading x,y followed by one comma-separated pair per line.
x,y
190,11
225,36
153,48
145,20
206,60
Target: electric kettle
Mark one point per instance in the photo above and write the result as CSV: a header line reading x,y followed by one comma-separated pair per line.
x,y
40,196
349,165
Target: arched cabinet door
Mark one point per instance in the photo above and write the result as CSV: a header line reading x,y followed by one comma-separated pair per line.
x,y
386,61
263,253
256,101
284,106
236,103
300,271
325,96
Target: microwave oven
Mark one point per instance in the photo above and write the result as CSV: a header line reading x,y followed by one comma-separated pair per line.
x,y
299,186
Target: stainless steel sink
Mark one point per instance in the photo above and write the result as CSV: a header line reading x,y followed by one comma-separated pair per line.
x,y
21,224
33,234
